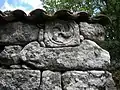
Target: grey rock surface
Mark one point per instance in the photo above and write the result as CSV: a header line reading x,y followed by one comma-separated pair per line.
x,y
19,79
51,80
23,67
10,55
84,57
41,38
94,32
18,33
87,80
61,33
15,67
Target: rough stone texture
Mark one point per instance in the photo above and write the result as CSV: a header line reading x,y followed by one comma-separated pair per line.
x,y
87,80
15,67
10,55
92,31
19,79
51,80
62,46
84,57
41,38
20,67
61,33
25,67
18,33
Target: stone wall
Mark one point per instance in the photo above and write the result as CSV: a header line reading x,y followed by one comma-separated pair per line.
x,y
60,56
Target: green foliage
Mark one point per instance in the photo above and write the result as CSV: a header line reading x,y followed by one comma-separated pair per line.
x,y
113,46
90,6
112,10
112,43
116,77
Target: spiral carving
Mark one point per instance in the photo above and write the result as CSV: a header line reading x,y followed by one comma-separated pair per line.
x,y
61,33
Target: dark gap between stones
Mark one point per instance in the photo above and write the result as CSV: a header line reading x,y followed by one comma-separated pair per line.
x,y
61,82
1,48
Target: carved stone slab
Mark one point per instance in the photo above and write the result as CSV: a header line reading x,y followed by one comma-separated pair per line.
x,y
61,33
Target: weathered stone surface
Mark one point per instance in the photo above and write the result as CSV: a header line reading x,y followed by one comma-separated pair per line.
x,y
15,67
87,80
19,79
60,33
41,38
92,31
18,33
51,80
10,55
84,57
20,67
25,67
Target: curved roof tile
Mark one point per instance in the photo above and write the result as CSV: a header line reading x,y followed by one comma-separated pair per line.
x,y
64,15
39,16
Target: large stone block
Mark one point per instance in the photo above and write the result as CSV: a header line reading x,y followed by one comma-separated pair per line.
x,y
94,32
84,57
19,79
61,33
18,33
51,80
87,80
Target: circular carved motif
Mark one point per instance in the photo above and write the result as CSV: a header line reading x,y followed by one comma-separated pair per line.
x,y
60,33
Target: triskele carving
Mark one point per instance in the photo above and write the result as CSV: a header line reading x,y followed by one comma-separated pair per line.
x,y
60,33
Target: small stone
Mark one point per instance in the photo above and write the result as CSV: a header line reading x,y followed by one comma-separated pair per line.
x,y
42,44
41,35
51,80
25,67
15,67
81,38
10,55
94,32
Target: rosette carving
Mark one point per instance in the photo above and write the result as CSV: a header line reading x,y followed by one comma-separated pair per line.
x,y
61,33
